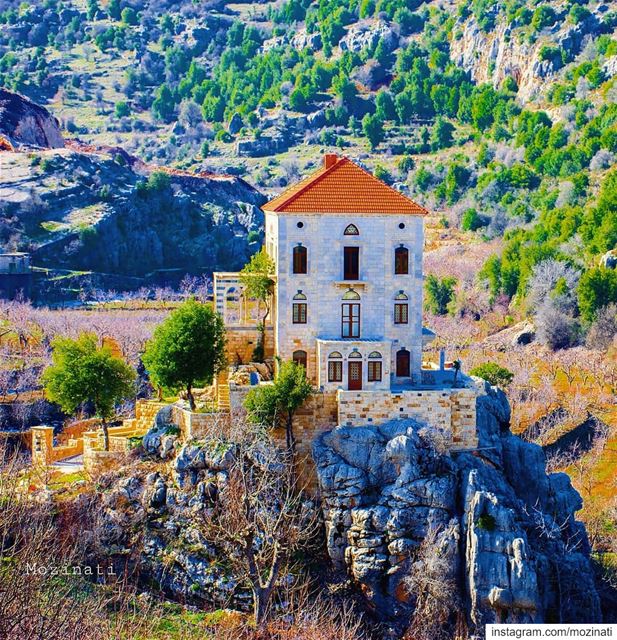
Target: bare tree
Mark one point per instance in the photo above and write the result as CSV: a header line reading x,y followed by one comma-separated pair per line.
x,y
432,584
261,518
47,590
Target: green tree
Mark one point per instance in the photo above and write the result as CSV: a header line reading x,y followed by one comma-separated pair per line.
x,y
276,404
596,289
114,9
164,105
129,16
82,372
187,348
441,134
384,105
372,127
122,109
495,374
256,278
471,220
439,293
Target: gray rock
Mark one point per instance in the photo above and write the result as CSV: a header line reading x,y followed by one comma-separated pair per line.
x,y
235,124
508,525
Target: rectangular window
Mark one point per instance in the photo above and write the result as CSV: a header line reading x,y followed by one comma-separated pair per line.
x,y
374,370
299,312
401,315
335,371
350,320
351,263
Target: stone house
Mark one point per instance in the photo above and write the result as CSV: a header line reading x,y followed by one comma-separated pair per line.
x,y
347,305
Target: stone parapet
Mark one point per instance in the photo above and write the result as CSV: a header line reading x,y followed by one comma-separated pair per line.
x,y
453,410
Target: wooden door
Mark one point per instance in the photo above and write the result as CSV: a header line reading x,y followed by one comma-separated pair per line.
x,y
354,375
402,363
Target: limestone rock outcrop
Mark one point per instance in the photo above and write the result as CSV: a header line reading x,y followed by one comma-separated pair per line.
x,y
25,124
509,527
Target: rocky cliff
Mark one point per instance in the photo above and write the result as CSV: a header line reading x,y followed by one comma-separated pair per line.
x,y
487,530
505,51
25,124
508,529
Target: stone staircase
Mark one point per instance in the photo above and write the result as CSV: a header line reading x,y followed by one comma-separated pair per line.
x,y
222,398
222,393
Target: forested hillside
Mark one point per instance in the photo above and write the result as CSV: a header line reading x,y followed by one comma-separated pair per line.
x,y
500,116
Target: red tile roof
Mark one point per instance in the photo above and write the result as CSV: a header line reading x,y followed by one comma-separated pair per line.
x,y
341,186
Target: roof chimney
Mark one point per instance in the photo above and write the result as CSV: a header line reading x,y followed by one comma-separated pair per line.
x,y
329,160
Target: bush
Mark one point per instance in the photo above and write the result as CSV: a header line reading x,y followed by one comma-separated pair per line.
x,y
439,294
471,220
493,373
604,329
543,16
556,329
596,289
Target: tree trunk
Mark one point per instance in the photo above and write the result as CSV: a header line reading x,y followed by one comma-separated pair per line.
x,y
260,606
189,395
291,441
105,434
159,393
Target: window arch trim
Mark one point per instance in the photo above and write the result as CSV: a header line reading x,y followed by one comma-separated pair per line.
x,y
351,295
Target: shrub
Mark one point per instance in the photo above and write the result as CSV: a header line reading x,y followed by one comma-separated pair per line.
x,y
439,293
543,16
556,329
596,289
493,373
604,329
471,220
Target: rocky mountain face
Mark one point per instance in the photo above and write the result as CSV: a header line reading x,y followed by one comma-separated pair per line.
x,y
99,209
494,55
508,529
26,124
504,532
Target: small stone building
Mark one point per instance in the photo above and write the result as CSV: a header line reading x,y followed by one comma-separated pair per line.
x,y
347,305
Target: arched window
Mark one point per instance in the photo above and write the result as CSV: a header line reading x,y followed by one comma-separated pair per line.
x,y
355,355
401,308
350,315
299,308
401,260
299,357
374,366
351,230
300,261
335,367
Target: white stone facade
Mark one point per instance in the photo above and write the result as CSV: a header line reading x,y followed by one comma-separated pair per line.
x,y
324,286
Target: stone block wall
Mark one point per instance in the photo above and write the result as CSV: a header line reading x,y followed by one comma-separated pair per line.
x,y
451,409
241,342
197,425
